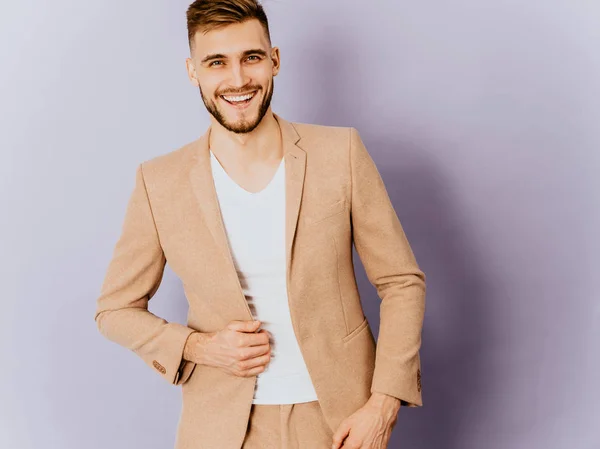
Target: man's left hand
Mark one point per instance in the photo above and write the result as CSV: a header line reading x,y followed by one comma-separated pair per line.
x,y
370,427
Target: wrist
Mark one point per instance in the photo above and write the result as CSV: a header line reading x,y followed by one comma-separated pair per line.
x,y
384,400
188,348
194,348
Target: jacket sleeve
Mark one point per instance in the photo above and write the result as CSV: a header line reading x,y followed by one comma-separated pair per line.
x,y
391,267
133,277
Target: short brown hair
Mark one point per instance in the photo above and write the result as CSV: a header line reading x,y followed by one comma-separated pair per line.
x,y
207,15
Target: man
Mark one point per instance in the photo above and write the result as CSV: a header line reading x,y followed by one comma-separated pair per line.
x,y
258,217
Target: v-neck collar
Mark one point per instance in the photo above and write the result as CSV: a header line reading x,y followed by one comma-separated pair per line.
x,y
216,163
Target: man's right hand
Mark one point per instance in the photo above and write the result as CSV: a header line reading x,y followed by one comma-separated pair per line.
x,y
237,349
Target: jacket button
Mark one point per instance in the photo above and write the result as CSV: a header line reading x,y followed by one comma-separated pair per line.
x,y
159,367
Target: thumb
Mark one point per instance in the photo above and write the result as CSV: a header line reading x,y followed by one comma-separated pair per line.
x,y
244,325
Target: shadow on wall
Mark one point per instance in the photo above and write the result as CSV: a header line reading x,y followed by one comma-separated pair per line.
x,y
456,322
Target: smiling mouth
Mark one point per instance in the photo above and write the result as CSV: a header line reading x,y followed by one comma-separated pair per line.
x,y
239,100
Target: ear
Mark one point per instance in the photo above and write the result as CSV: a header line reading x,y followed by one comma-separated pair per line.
x,y
276,59
191,71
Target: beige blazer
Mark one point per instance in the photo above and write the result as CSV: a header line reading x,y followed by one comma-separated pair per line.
x,y
335,197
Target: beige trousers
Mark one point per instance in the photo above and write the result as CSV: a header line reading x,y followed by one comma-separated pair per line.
x,y
287,426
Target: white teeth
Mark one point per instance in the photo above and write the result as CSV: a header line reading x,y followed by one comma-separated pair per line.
x,y
239,98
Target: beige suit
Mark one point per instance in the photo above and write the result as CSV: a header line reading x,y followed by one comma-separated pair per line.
x,y
334,197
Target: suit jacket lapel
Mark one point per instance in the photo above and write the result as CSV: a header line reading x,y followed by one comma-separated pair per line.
x,y
295,167
202,183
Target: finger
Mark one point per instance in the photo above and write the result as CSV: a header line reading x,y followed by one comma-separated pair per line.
x,y
244,365
259,338
244,325
340,434
253,351
254,370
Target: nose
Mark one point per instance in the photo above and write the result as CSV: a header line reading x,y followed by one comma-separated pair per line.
x,y
238,75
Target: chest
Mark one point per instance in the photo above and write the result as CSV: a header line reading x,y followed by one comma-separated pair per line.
x,y
252,178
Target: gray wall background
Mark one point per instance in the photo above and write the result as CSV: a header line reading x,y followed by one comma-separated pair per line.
x,y
483,117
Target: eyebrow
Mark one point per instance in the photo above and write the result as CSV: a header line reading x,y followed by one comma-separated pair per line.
x,y
254,51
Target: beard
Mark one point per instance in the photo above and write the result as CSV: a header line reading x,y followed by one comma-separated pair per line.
x,y
242,126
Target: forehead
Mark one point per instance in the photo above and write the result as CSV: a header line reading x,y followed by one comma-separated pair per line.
x,y
231,39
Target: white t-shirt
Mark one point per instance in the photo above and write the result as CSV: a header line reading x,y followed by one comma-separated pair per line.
x,y
255,228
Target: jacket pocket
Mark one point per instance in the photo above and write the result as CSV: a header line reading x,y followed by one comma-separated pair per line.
x,y
326,212
362,326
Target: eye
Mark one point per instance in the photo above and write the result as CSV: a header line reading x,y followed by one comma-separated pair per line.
x,y
254,56
212,63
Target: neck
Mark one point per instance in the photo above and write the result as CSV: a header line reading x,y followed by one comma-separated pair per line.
x,y
262,144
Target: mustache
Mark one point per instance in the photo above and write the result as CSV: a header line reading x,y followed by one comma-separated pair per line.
x,y
249,88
